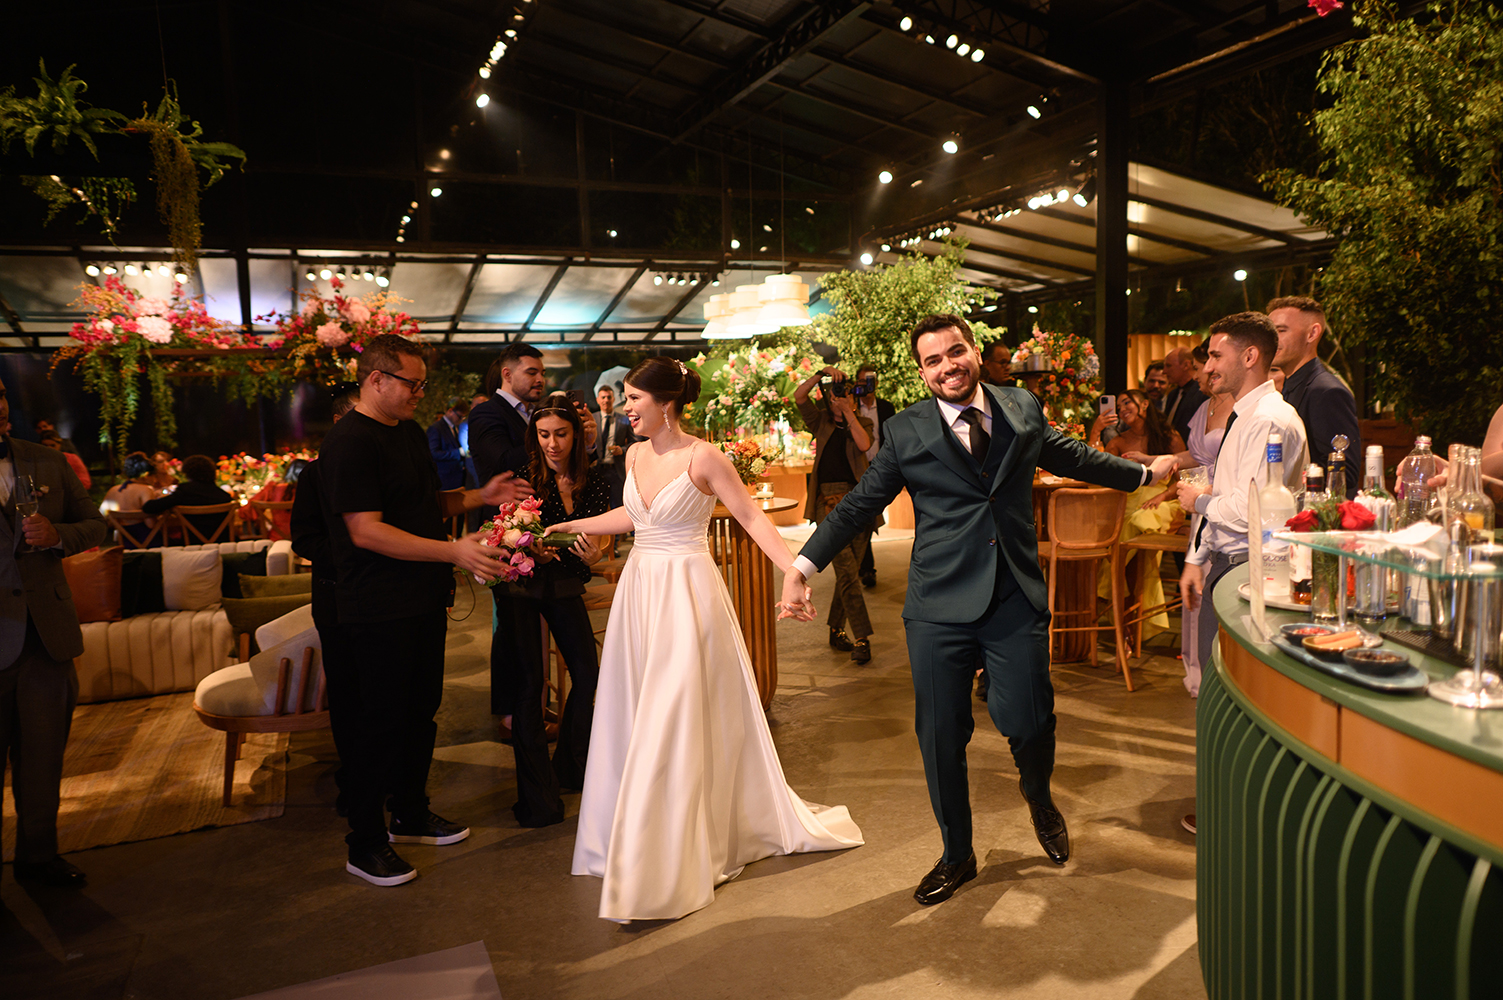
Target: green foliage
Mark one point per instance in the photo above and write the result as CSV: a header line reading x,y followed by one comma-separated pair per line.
x,y
178,154
1413,180
115,377
444,382
874,310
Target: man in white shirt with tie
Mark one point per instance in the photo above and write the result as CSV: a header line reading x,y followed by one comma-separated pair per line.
x,y
1242,347
975,590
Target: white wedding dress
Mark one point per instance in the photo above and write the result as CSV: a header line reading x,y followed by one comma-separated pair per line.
x,y
684,787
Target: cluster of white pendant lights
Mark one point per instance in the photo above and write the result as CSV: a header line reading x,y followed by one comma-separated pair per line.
x,y
782,300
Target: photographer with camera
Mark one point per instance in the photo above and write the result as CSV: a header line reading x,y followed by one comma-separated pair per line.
x,y
842,437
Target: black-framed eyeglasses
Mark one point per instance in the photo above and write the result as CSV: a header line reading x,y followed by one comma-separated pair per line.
x,y
413,385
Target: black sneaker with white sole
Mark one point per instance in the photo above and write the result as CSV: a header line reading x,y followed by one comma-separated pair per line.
x,y
434,831
380,866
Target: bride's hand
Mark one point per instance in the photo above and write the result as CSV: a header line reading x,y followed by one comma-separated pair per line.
x,y
797,598
560,526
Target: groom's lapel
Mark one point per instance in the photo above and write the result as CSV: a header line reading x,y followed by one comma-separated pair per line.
x,y
1002,456
937,438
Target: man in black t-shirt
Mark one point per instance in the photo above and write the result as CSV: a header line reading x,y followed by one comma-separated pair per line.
x,y
385,514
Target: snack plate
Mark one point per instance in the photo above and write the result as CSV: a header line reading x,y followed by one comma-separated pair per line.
x,y
1410,681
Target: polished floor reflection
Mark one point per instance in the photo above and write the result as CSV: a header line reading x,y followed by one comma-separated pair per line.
x,y
231,912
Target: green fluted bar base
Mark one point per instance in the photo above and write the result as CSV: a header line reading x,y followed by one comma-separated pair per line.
x,y
1309,889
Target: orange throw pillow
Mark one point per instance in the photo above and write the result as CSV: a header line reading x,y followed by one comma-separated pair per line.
x,y
94,578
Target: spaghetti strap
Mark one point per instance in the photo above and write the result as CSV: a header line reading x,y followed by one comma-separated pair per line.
x,y
690,467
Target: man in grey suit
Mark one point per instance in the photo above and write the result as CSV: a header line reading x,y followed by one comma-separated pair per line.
x,y
975,590
39,637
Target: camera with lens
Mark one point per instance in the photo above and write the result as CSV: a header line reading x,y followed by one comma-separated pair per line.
x,y
864,387
833,386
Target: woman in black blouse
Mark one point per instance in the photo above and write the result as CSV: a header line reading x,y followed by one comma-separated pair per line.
x,y
569,489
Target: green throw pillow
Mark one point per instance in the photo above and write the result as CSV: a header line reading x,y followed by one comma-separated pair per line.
x,y
236,564
276,586
141,583
250,613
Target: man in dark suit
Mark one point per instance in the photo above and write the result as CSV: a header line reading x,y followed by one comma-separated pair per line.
x,y
39,637
1320,398
196,490
610,447
878,411
968,457
444,443
1184,396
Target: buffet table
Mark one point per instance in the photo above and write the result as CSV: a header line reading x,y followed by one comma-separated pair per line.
x,y
755,587
1347,838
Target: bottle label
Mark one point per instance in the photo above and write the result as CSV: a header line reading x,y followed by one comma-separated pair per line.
x,y
1275,452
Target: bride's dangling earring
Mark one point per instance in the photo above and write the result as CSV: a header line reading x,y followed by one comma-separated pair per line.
x,y
665,412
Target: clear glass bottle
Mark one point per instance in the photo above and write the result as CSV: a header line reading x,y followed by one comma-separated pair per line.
x,y
1336,468
1372,582
1468,503
1277,506
1299,555
1412,483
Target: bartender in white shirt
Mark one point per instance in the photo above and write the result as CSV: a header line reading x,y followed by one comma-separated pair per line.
x,y
1241,347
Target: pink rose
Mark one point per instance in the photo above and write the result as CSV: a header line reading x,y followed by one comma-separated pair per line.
x,y
331,334
513,538
155,329
523,563
153,307
356,311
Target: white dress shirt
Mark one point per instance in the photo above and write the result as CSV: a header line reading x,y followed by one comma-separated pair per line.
x,y
7,478
1244,458
951,412
867,407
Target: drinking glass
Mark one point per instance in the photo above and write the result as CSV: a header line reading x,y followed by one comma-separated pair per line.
x,y
1200,476
27,504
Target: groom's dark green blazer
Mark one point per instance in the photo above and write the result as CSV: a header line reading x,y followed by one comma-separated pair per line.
x,y
965,515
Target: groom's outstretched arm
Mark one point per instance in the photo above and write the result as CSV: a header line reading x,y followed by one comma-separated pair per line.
x,y
882,481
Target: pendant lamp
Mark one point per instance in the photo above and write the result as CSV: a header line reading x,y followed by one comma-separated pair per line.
x,y
784,299
716,311
745,318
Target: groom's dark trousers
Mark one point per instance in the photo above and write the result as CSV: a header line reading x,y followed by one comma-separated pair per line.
x,y
975,590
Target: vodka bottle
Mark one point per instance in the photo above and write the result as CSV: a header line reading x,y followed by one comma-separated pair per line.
x,y
1373,581
1300,575
1277,506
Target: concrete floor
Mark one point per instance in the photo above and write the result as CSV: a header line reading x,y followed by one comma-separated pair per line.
x,y
227,913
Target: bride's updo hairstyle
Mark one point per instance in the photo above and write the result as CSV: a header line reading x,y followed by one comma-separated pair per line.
x,y
667,381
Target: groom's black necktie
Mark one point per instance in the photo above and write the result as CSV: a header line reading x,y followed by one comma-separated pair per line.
x,y
1200,531
980,439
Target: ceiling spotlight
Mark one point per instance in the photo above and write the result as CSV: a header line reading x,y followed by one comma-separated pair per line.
x,y
401,239
1086,193
163,270
414,204
735,244
808,210
929,39
132,270
435,191
406,219
110,269
963,49
1033,202
977,55
326,274
887,248
92,270
511,33
309,275
519,17
1062,195
885,177
952,41
1034,112
1033,309
383,280
951,146
611,233
906,24
482,100
485,72
367,275
657,279
1239,274
694,279
916,183
766,228
498,50
182,278
716,282
866,258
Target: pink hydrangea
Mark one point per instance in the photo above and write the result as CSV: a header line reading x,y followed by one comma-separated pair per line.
x,y
356,311
331,334
310,307
153,307
155,329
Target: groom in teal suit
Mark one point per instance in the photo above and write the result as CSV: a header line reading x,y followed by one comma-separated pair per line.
x,y
975,591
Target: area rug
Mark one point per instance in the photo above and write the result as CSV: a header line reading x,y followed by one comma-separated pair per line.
x,y
147,768
462,973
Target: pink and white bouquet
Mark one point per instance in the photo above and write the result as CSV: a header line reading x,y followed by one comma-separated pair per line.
x,y
517,530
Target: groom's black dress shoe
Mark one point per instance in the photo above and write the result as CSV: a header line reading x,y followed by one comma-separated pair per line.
x,y
57,873
942,881
839,640
1049,825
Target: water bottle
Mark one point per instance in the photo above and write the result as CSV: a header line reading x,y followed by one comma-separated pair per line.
x,y
1372,581
1412,484
1277,506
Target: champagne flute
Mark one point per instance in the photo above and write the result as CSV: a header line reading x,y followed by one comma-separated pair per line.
x,y
27,504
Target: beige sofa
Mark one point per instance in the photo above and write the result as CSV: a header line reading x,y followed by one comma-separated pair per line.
x,y
166,651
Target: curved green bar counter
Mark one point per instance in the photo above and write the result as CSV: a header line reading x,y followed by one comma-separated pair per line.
x,y
1349,841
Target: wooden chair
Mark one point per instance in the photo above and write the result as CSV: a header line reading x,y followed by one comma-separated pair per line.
x,y
155,537
556,686
265,511
1134,614
1085,526
227,531
279,690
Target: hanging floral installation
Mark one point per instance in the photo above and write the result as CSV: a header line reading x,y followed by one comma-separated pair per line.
x,y
314,337
1070,383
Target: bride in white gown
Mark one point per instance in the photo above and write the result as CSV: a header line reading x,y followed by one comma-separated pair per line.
x,y
683,788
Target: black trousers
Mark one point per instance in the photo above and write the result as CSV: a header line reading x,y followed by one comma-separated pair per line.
x,y
386,681
37,698
1012,640
518,675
